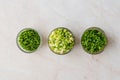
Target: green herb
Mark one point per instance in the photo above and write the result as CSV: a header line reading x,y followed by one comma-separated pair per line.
x,y
28,40
94,40
61,41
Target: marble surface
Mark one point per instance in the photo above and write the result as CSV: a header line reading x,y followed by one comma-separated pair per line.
x,y
44,16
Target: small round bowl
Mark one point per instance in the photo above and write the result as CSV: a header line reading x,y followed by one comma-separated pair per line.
x,y
94,40
61,41
28,40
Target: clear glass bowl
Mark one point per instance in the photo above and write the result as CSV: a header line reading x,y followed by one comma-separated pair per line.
x,y
61,41
94,40
28,40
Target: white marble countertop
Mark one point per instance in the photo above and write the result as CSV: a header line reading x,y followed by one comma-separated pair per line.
x,y
44,16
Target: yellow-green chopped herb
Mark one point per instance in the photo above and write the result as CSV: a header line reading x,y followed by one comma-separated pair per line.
x,y
28,40
94,40
61,40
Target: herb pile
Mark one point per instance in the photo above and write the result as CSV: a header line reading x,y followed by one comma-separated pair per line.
x,y
28,40
94,40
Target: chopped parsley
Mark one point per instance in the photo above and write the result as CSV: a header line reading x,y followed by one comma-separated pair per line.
x,y
94,40
28,40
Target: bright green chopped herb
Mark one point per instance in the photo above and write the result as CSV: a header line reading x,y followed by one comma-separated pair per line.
x,y
94,40
28,40
61,41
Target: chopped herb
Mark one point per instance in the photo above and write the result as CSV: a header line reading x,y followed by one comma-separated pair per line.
x,y
61,41
28,40
94,40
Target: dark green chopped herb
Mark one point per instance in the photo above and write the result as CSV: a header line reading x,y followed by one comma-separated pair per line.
x,y
28,40
94,40
61,41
